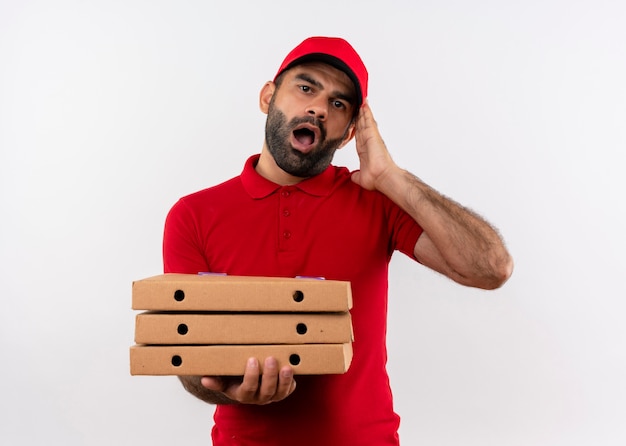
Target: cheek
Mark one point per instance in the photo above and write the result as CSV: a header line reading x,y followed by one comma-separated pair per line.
x,y
291,106
339,130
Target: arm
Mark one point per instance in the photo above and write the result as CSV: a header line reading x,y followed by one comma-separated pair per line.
x,y
456,242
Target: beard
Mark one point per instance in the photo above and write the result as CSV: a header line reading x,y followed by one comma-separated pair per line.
x,y
303,165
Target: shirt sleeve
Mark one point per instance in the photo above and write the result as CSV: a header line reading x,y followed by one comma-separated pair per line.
x,y
404,230
182,250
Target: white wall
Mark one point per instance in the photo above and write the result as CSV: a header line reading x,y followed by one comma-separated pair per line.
x,y
111,110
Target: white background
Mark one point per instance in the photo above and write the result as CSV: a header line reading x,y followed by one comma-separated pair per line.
x,y
112,110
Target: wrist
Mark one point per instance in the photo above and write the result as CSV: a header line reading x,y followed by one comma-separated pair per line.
x,y
390,179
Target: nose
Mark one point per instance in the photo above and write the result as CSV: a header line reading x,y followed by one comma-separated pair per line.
x,y
318,107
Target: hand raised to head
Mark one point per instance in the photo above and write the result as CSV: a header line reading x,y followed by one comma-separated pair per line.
x,y
375,161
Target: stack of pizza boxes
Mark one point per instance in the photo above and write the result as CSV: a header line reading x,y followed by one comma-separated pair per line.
x,y
210,324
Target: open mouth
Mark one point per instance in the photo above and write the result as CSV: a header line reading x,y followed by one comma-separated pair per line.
x,y
305,137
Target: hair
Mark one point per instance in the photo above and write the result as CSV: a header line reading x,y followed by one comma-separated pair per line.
x,y
279,79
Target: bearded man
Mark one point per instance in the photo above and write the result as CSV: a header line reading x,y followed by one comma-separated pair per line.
x,y
292,213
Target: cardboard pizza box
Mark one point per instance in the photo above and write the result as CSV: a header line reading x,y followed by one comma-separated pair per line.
x,y
196,292
230,360
249,328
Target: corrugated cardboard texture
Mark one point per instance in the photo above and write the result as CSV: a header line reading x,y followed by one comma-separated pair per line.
x,y
191,292
189,328
225,360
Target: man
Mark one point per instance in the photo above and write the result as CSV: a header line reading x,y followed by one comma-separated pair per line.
x,y
291,213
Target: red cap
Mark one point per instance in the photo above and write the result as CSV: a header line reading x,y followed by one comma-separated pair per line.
x,y
333,51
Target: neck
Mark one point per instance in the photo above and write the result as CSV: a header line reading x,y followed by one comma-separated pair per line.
x,y
268,169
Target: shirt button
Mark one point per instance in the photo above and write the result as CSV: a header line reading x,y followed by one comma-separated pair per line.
x,y
285,193
286,213
287,234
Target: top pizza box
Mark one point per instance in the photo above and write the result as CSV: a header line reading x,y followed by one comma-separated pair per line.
x,y
197,292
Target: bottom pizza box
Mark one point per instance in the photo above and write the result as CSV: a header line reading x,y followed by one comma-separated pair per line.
x,y
230,360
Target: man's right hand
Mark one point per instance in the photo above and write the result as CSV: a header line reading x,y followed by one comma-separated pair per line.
x,y
255,388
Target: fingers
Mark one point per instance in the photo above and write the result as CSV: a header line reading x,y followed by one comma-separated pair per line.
x,y
256,386
247,391
214,383
366,117
269,382
275,384
286,384
366,130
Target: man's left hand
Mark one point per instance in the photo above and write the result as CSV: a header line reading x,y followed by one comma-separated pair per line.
x,y
375,160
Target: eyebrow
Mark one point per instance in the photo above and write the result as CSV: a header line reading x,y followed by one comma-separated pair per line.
x,y
337,94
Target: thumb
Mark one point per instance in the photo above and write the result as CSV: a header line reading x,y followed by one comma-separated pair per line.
x,y
213,383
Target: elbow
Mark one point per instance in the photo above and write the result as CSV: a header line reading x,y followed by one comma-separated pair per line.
x,y
501,272
487,278
491,275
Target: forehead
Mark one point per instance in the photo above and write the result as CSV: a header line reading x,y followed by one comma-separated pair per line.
x,y
325,74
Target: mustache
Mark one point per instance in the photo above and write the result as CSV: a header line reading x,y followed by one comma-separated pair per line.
x,y
309,120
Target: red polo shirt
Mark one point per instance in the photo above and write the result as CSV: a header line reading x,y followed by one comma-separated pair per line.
x,y
324,226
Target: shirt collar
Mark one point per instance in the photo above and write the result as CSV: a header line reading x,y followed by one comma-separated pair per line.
x,y
260,187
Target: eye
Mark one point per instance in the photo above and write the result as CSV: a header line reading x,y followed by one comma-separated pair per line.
x,y
339,104
305,88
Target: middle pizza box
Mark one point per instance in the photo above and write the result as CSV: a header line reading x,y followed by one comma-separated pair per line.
x,y
182,328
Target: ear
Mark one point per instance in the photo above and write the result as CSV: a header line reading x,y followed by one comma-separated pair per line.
x,y
349,135
265,97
